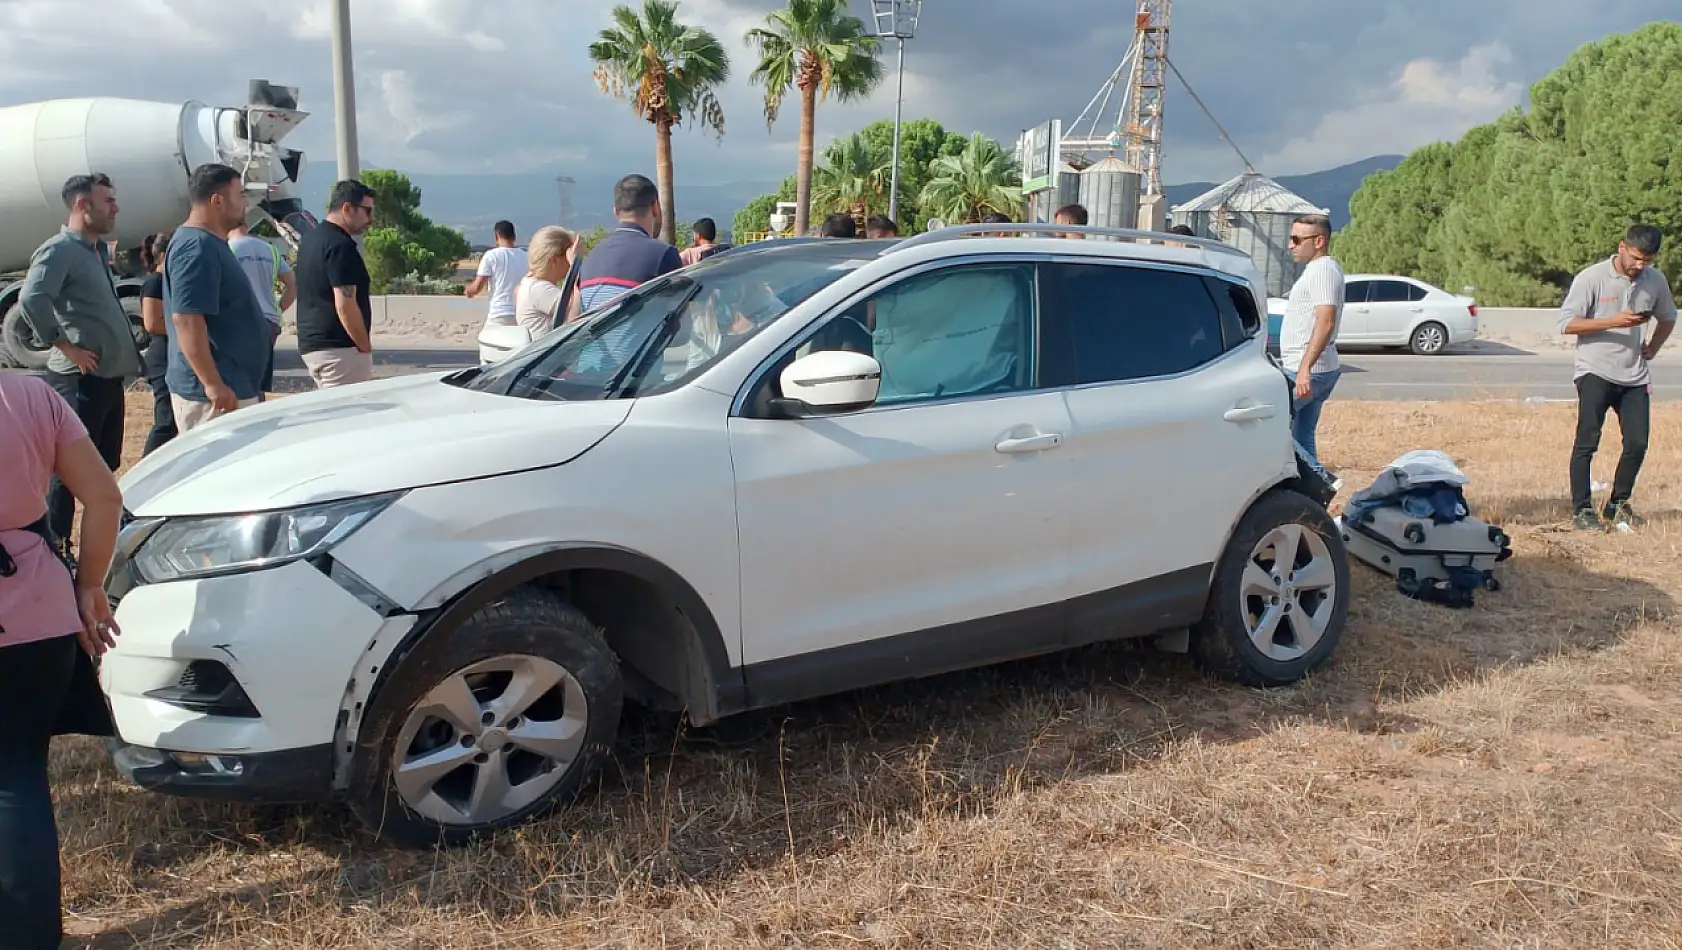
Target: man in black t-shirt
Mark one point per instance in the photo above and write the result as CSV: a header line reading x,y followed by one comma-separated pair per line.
x,y
335,319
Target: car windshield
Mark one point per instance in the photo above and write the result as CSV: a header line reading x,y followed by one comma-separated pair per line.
x,y
659,336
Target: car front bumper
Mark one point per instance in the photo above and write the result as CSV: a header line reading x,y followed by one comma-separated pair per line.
x,y
233,685
287,776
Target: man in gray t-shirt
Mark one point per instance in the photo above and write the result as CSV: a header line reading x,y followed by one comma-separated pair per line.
x,y
1607,310
265,267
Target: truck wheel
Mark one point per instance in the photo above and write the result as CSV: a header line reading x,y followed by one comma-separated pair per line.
x,y
131,307
487,725
20,341
1280,596
142,339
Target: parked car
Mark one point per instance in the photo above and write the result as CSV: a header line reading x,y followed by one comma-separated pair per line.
x,y
1388,311
780,473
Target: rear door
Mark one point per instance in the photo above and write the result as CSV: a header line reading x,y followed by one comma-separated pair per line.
x,y
1177,418
1357,325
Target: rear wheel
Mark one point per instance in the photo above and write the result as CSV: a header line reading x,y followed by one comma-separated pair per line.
x,y
19,340
1428,339
487,725
1280,596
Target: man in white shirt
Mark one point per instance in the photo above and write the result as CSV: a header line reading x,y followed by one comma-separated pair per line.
x,y
501,268
1312,315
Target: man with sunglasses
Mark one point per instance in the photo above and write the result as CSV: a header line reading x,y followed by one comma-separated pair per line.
x,y
1312,314
335,318
1607,310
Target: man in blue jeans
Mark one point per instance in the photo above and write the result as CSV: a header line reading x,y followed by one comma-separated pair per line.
x,y
1312,314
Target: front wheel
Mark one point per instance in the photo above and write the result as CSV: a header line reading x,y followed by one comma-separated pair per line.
x,y
1280,596
487,725
1428,339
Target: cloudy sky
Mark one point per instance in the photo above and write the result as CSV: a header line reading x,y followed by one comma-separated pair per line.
x,y
489,86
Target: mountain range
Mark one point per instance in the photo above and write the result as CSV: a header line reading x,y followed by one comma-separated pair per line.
x,y
474,203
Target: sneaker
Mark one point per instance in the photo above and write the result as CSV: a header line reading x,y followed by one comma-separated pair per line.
x,y
1623,517
1588,519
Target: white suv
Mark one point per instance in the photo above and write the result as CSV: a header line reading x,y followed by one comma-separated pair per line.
x,y
790,470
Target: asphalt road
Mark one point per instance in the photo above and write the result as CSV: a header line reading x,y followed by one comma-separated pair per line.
x,y
1515,374
1491,372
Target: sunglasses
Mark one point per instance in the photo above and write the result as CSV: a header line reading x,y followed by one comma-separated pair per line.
x,y
1299,238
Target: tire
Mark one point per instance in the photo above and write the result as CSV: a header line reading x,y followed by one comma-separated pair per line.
x,y
131,307
142,339
1428,339
20,341
527,633
1239,598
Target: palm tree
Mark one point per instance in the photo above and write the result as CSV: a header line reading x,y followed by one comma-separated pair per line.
x,y
965,186
817,47
850,178
668,72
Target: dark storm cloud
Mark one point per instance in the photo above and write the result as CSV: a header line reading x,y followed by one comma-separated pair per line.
x,y
498,85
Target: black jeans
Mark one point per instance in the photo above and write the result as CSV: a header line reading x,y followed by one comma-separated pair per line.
x,y
1633,405
99,404
163,414
34,681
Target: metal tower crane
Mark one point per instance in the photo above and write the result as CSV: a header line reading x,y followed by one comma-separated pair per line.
x,y
1142,78
1142,120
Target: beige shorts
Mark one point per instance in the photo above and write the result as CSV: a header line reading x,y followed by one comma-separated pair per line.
x,y
343,367
190,414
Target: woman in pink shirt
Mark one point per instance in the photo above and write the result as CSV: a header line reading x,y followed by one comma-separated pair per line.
x,y
51,627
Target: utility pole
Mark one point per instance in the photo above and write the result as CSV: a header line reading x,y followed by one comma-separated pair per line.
x,y
344,92
897,20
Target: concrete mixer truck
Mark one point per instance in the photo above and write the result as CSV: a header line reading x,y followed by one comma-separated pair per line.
x,y
149,149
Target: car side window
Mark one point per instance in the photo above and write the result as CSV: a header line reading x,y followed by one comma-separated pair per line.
x,y
1125,322
1415,293
968,330
1240,318
1355,291
1388,291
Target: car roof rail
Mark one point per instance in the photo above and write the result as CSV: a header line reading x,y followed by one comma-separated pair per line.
x,y
1132,235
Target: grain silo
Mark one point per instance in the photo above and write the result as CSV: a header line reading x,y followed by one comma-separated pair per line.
x,y
1110,192
1042,205
1252,213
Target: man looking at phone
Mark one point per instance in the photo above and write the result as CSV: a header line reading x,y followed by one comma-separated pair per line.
x,y
1607,310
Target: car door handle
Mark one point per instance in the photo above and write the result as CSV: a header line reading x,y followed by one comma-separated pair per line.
x,y
1031,443
1416,310
1250,413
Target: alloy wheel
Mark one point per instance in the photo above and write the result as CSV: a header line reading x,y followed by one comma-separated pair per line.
x,y
490,740
1289,592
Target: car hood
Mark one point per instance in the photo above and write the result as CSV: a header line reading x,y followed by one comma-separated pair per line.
x,y
365,439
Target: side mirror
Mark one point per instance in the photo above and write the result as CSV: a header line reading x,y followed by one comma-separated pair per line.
x,y
827,382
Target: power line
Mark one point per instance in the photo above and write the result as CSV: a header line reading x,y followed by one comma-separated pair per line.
x,y
1194,97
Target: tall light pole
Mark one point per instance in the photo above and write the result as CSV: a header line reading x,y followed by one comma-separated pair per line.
x,y
897,20
344,92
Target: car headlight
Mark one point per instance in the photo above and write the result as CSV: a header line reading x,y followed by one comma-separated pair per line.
x,y
183,548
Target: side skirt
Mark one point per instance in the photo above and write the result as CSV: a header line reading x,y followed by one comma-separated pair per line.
x,y
1139,609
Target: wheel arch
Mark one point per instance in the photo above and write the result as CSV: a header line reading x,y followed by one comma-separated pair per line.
x,y
1289,483
644,607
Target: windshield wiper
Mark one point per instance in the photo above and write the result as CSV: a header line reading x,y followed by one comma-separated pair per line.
x,y
656,340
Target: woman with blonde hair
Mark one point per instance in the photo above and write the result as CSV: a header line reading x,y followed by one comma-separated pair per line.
x,y
551,253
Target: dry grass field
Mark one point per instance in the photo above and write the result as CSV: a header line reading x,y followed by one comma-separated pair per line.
x,y
1507,776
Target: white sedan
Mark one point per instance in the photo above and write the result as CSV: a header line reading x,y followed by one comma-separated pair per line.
x,y
1387,310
